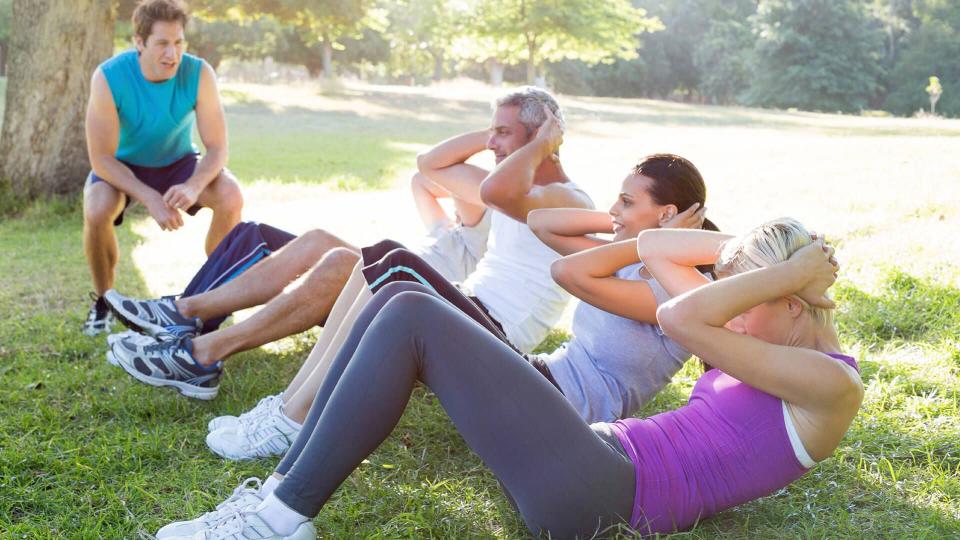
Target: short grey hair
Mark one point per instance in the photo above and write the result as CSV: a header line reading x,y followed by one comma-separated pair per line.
x,y
531,100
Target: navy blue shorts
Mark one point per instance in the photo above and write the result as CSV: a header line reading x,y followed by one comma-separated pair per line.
x,y
244,246
158,178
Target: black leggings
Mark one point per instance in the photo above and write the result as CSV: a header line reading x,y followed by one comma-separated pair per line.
x,y
565,478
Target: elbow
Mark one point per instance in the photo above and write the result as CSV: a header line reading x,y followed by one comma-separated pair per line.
x,y
561,273
489,193
673,318
645,244
423,162
536,223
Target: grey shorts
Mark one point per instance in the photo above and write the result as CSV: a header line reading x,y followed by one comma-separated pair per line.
x,y
455,252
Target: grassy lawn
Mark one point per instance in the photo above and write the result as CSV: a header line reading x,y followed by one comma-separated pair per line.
x,y
87,452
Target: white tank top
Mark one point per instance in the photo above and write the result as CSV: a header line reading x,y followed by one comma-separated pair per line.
x,y
513,282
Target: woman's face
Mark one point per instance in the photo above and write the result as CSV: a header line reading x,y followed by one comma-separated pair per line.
x,y
635,210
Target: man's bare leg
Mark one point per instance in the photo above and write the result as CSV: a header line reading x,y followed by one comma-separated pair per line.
x,y
304,306
299,398
266,279
102,203
223,196
339,313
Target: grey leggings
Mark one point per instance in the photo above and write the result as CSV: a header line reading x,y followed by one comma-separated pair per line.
x,y
565,479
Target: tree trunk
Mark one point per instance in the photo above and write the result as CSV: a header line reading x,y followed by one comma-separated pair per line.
x,y
496,72
531,63
327,58
42,146
437,65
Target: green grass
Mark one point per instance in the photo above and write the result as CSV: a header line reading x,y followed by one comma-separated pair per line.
x,y
86,452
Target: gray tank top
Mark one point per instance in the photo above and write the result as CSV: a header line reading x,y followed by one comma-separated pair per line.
x,y
613,365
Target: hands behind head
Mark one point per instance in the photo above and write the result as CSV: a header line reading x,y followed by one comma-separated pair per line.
x,y
551,133
691,218
817,263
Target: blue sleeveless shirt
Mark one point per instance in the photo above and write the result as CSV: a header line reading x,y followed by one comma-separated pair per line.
x,y
156,118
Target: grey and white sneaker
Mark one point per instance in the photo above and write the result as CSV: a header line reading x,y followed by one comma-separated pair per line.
x,y
168,363
133,335
229,421
270,434
99,319
248,525
152,317
246,496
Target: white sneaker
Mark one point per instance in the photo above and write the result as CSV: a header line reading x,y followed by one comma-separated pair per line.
x,y
261,408
113,338
248,526
246,496
269,435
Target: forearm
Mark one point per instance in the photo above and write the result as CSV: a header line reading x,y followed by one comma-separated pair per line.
x,y
428,207
569,221
601,261
452,151
513,177
679,247
208,168
719,302
118,175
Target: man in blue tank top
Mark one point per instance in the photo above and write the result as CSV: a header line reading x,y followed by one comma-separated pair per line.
x,y
144,104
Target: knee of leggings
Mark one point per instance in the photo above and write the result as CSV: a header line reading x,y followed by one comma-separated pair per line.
x,y
400,253
410,311
396,287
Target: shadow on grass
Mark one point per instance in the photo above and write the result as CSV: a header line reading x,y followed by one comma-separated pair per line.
x,y
346,148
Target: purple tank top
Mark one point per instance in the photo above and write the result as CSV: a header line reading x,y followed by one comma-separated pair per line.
x,y
727,446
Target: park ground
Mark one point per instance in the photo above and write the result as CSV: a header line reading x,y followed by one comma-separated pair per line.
x,y
87,452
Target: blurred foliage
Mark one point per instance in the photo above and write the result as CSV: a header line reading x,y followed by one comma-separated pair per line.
x,y
6,19
802,62
873,54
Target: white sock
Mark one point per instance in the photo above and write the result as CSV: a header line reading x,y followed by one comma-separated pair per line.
x,y
289,420
280,517
268,486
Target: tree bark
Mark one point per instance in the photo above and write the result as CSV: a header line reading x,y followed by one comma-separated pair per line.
x,y
54,47
496,72
327,58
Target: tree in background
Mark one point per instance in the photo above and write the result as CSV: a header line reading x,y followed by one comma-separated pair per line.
x,y
934,90
815,55
534,31
6,16
933,47
420,34
722,54
317,27
54,48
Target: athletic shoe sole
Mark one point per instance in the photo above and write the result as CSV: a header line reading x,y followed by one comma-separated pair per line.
x,y
132,321
185,389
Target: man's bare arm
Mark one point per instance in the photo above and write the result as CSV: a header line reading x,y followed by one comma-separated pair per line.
x,y
510,186
103,138
212,126
445,165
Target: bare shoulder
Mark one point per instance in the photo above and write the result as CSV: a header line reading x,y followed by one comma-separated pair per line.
x,y
565,195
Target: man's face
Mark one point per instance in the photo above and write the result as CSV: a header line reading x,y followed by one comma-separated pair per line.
x,y
507,134
160,55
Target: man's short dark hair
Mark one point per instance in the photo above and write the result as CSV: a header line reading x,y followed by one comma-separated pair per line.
x,y
148,12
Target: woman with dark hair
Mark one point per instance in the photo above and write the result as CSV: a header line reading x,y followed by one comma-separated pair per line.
x,y
781,400
617,359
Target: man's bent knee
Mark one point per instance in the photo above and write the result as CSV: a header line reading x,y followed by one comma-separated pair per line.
x,y
223,195
102,203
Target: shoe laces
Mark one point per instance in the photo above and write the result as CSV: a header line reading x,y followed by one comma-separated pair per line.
x,y
230,525
250,486
260,409
99,307
164,346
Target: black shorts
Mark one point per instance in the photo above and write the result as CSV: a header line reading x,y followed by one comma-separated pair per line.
x,y
389,260
158,178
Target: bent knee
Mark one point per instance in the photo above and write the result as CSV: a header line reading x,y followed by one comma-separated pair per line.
x,y
320,241
223,194
102,206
